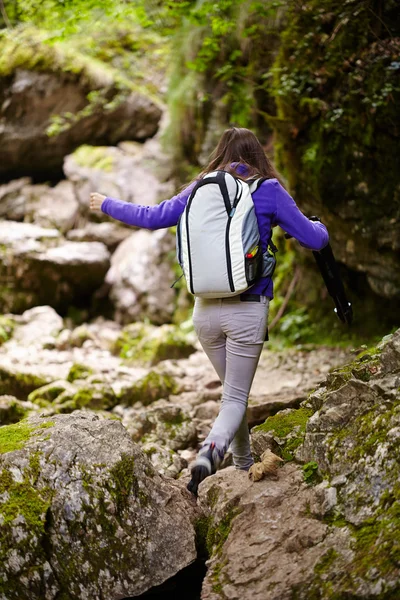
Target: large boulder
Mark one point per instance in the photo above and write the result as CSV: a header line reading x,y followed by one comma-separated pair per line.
x,y
83,513
54,99
141,275
38,267
329,526
131,172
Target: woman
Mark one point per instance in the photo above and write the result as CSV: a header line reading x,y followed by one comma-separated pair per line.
x,y
231,330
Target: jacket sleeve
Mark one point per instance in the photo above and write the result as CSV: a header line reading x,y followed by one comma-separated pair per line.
x,y
165,214
311,234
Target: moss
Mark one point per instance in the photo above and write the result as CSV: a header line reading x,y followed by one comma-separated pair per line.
x,y
218,534
21,499
326,561
78,371
49,392
282,424
123,483
14,437
151,345
94,157
290,425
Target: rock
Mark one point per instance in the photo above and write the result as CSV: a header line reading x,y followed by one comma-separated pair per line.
x,y
96,521
153,386
51,206
116,172
34,357
12,200
53,100
283,379
38,326
150,345
261,538
164,423
109,234
283,433
12,410
332,538
164,461
37,267
140,278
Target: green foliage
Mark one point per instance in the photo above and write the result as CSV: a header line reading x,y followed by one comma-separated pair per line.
x,y
336,86
310,473
215,78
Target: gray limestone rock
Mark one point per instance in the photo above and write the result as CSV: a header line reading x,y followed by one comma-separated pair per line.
x,y
38,267
140,277
83,513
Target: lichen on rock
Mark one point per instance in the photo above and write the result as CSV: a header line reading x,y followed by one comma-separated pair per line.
x,y
83,513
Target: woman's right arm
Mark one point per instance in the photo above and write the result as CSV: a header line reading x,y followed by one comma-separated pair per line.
x,y
165,214
311,234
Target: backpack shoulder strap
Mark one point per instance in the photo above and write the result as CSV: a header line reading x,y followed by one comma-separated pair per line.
x,y
254,184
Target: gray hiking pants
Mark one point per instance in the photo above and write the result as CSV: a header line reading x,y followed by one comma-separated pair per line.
x,y
232,334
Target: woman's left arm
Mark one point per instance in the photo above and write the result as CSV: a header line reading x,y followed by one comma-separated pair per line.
x,y
165,214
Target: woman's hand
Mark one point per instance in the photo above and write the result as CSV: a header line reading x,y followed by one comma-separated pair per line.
x,y
96,200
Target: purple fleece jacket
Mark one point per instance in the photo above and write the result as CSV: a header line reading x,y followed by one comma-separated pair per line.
x,y
273,206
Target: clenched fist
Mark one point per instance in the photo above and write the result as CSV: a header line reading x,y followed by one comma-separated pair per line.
x,y
96,200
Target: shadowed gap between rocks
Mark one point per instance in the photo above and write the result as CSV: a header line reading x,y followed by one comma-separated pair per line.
x,y
185,585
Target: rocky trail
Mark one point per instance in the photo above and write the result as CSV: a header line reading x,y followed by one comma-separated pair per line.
x,y
98,447
167,407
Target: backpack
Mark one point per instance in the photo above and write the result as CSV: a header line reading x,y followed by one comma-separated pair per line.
x,y
218,241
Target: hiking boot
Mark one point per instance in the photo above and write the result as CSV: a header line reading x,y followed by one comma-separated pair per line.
x,y
207,462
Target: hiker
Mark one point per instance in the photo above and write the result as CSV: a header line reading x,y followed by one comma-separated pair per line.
x,y
231,328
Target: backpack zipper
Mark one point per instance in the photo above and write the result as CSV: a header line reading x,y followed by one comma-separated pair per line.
x,y
227,244
188,239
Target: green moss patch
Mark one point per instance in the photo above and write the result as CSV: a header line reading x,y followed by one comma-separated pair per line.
x,y
150,345
14,437
289,427
78,371
94,157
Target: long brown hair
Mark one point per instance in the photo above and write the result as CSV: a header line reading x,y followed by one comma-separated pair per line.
x,y
239,146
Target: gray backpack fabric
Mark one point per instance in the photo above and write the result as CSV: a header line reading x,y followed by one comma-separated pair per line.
x,y
218,241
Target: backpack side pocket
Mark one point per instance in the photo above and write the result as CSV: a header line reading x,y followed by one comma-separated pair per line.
x,y
268,264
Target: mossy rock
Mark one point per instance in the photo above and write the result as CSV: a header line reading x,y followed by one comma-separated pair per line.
x,y
50,392
81,92
19,384
149,345
94,157
153,386
76,491
287,428
12,410
78,371
94,396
